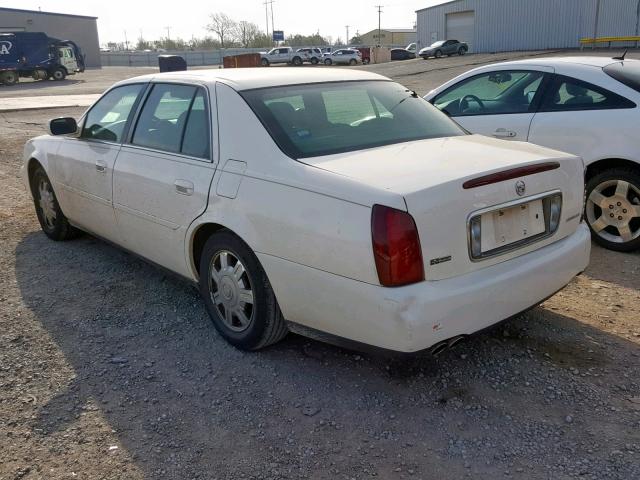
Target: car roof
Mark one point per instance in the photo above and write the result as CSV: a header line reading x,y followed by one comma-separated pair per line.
x,y
598,62
261,77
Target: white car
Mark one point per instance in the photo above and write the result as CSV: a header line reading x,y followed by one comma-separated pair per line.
x,y
582,105
344,56
318,201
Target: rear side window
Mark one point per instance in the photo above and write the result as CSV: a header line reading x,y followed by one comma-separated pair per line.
x,y
627,73
174,119
568,93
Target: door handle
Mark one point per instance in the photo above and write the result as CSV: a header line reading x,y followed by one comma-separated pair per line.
x,y
184,187
504,133
101,166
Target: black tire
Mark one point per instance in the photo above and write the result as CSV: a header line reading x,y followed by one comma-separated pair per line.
x,y
611,175
314,61
264,62
353,61
10,77
266,325
297,61
328,61
59,74
438,53
59,229
462,51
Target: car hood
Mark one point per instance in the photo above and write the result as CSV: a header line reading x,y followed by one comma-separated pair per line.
x,y
412,166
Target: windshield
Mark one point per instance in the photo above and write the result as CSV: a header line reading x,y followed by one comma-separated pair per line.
x,y
627,72
327,118
437,44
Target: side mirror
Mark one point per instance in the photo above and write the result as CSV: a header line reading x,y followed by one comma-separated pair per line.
x,y
63,126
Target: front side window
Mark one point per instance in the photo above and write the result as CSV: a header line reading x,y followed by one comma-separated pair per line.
x,y
107,118
174,119
494,93
327,118
572,94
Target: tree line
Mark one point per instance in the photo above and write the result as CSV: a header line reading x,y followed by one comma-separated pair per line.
x,y
229,33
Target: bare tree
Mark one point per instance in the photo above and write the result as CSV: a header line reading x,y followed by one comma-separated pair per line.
x,y
246,33
223,26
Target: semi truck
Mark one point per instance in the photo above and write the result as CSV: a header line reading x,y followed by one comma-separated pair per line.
x,y
36,55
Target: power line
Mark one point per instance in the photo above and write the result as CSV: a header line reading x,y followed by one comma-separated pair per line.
x,y
267,4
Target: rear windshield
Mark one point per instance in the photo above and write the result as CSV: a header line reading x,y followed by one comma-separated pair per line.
x,y
327,118
625,72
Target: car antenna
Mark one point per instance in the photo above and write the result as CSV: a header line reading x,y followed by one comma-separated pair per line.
x,y
621,57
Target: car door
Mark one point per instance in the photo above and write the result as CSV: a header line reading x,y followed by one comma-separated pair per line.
x,y
338,56
84,162
163,173
498,103
576,117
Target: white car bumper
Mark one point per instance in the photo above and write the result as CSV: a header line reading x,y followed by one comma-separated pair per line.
x,y
416,317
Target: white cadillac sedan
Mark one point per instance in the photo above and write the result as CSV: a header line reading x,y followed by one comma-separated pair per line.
x,y
588,106
326,202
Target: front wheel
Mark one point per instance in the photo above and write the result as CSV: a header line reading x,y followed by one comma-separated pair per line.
x,y
264,62
238,295
52,221
328,61
314,61
462,51
297,61
612,209
59,74
438,54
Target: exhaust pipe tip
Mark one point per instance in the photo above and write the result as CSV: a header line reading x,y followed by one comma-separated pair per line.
x,y
455,340
438,348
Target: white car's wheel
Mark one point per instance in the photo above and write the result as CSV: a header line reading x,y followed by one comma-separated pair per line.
x,y
264,62
613,209
238,295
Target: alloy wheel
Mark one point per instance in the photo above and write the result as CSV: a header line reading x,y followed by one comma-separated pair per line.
x,y
231,291
613,211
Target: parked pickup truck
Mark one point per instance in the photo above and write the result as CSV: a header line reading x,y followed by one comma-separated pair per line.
x,y
283,55
36,55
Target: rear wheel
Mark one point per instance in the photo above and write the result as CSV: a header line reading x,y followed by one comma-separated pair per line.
x,y
297,61
238,295
10,77
462,51
314,61
438,53
264,62
59,74
52,221
328,61
353,61
613,209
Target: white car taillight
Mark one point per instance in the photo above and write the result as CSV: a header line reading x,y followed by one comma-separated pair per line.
x,y
555,209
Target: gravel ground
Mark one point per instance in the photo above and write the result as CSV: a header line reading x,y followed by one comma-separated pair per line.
x,y
110,369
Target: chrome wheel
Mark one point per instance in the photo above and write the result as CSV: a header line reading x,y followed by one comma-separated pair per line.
x,y
613,211
231,291
46,201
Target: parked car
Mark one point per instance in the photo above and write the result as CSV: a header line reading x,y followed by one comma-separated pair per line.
x,y
444,47
586,106
412,47
314,54
344,56
283,55
401,54
368,215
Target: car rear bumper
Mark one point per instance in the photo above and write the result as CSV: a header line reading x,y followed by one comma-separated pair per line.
x,y
416,317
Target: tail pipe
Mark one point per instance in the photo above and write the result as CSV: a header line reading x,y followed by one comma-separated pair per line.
x,y
440,347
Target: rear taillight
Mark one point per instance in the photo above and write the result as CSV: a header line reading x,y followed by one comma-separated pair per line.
x,y
396,247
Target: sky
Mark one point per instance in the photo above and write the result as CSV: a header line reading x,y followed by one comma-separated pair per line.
x,y
187,18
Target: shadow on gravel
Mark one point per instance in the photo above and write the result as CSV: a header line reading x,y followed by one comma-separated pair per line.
x,y
187,405
620,268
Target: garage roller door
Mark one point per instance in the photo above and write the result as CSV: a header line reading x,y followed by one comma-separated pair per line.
x,y
461,26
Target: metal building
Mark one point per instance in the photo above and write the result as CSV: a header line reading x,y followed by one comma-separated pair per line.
x,y
389,37
504,25
81,29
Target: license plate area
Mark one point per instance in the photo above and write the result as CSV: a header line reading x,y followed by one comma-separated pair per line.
x,y
502,228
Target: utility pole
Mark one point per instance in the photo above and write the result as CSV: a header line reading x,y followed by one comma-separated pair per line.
x,y
272,27
126,41
595,23
266,15
347,40
168,33
379,7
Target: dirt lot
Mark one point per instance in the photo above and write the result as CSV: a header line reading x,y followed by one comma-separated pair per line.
x,y
110,369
